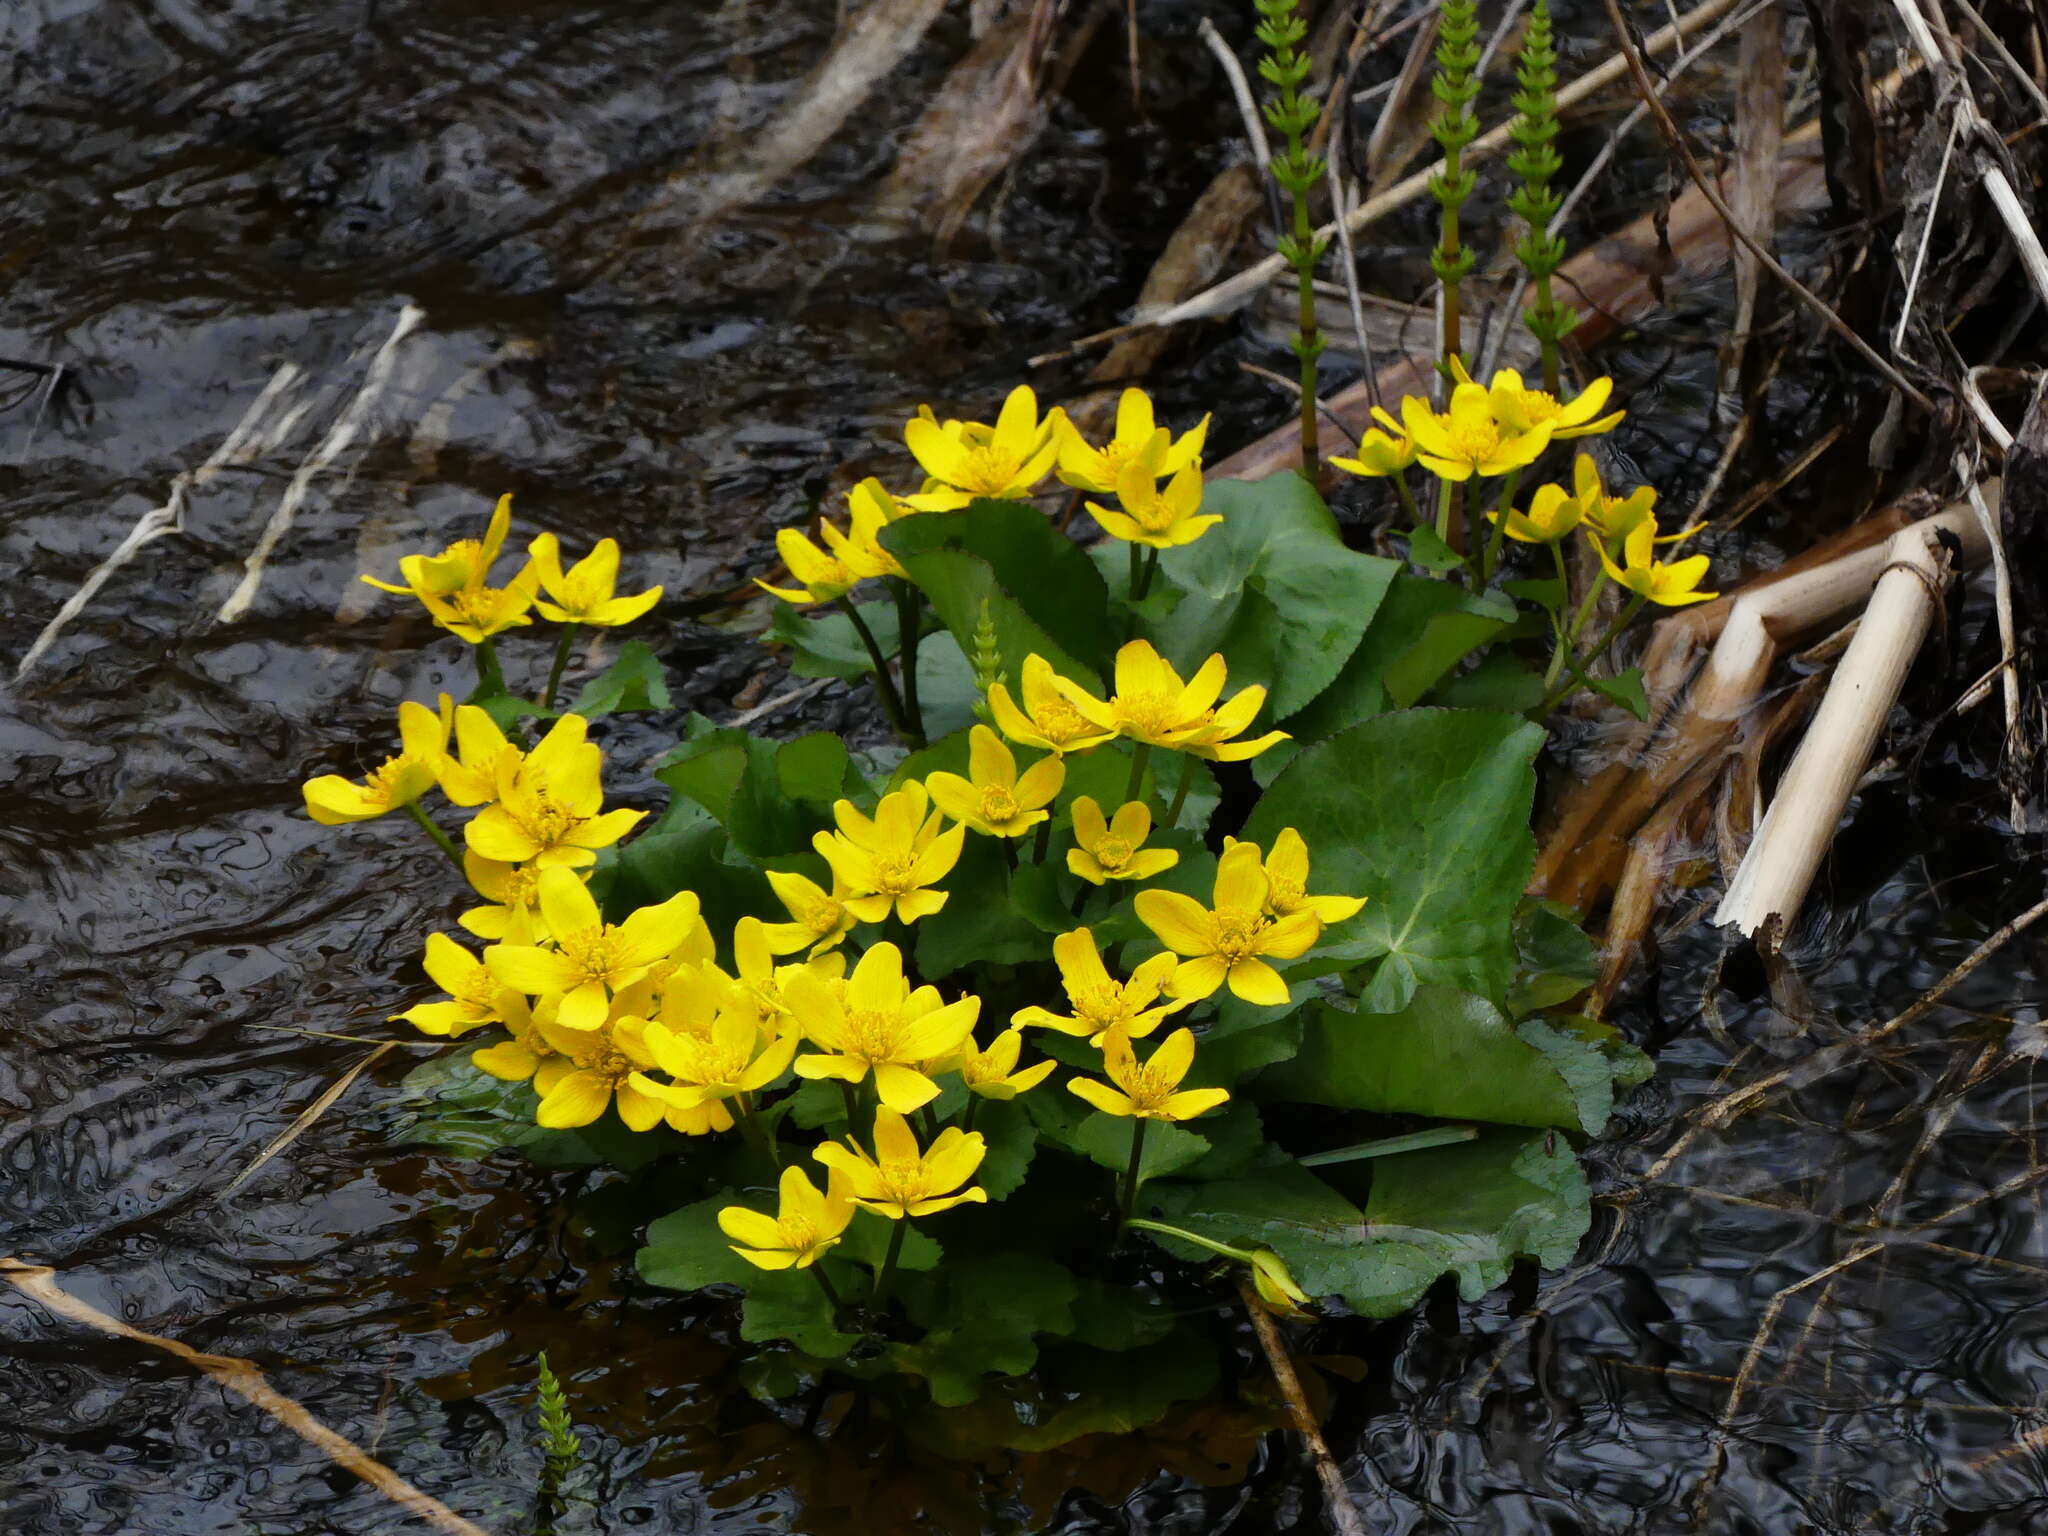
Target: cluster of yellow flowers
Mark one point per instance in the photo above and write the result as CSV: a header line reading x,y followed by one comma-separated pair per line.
x,y
454,586
1501,428
1155,477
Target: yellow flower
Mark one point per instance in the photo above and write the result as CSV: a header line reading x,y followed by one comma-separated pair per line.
x,y
583,593
1519,408
470,775
1551,516
465,563
477,613
1150,1091
517,1059
514,916
805,1224
550,804
1275,1284
1008,465
590,1069
757,990
1138,437
475,997
1286,870
1224,943
1466,440
1381,452
821,577
1047,721
818,917
889,863
730,1061
877,1023
1614,518
900,1181
1152,705
591,959
1670,585
1101,1004
333,801
993,1073
1160,518
995,798
1114,849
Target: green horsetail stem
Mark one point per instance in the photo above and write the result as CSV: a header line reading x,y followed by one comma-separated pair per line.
x,y
1286,67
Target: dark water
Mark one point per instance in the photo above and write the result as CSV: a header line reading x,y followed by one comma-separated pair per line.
x,y
193,195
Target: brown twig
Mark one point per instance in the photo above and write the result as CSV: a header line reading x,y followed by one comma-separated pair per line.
x,y
242,1378
1336,1492
308,1115
1647,89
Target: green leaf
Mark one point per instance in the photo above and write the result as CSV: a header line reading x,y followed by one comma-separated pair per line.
x,y
790,1304
1012,1137
1544,592
1591,1058
1432,553
1114,1317
686,1250
1625,689
652,868
1554,959
1043,593
978,924
1114,1394
946,694
1272,587
867,1238
1500,682
1446,1054
634,680
771,798
828,645
1426,813
1106,1139
506,710
984,1314
1420,631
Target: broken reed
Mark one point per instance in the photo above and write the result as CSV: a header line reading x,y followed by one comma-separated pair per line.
x,y
1297,171
1535,160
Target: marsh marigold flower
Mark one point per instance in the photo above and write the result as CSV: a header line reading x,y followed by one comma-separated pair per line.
x,y
1163,517
1614,518
1048,721
589,1070
475,997
877,1023
591,959
993,1073
1149,1090
995,798
731,1060
453,585
514,915
818,917
334,801
804,1225
901,1181
890,862
1152,705
1101,1003
1519,408
583,594
1229,942
1670,584
1286,871
550,805
1004,466
1380,452
1114,849
1552,515
470,776
1467,439
1138,437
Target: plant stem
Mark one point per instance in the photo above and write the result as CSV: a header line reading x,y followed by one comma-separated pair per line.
x,y
1490,560
1400,479
852,1107
1570,636
1128,1205
1043,843
967,1115
441,840
1140,755
547,698
756,1133
1009,852
831,1292
1180,792
1443,510
885,685
490,676
888,1269
909,624
1142,582
1298,172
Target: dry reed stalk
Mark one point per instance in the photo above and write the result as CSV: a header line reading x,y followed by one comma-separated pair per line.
x,y
1337,1500
242,1378
1800,823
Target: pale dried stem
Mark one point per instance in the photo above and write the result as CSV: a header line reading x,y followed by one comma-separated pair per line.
x,y
1337,1498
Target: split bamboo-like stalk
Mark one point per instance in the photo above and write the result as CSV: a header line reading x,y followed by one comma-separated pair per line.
x,y
1786,853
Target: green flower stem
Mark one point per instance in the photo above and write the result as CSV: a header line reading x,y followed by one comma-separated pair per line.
x,y
1180,791
1042,844
441,841
888,1269
490,676
1009,852
1400,479
1141,582
852,1107
967,1115
885,685
1221,1250
1489,562
909,624
1443,509
1570,636
755,1132
1580,662
831,1292
547,698
1141,754
1132,588
1129,1202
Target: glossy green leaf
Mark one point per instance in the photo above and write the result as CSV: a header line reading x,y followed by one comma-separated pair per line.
x,y
823,642
1426,813
984,1314
1431,552
634,680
